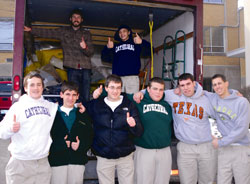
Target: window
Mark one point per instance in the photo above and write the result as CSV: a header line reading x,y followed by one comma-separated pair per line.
x,y
6,46
9,60
207,84
213,40
6,34
6,87
213,1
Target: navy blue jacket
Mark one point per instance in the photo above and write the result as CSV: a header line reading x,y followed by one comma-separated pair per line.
x,y
125,57
113,137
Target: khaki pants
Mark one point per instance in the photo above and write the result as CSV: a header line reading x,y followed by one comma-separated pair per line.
x,y
68,174
28,171
130,84
234,161
106,170
152,166
196,163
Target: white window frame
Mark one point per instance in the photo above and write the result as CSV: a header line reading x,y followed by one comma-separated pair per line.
x,y
7,34
211,43
213,1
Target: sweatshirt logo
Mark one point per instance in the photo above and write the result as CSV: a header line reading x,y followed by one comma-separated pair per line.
x,y
125,108
188,108
225,110
33,111
155,108
124,47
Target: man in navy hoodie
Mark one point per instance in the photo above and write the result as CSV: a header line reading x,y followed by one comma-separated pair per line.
x,y
125,56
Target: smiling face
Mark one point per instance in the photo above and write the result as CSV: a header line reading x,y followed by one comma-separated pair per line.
x,y
187,87
76,20
69,98
124,34
34,87
156,91
114,91
220,87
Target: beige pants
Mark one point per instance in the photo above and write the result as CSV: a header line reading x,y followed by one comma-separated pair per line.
x,y
106,170
68,174
28,171
196,163
130,84
152,166
234,161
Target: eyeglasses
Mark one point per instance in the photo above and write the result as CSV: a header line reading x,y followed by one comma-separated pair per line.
x,y
115,88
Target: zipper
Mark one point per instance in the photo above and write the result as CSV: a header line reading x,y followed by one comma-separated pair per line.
x,y
111,127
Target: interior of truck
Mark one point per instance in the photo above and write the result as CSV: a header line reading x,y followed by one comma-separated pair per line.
x,y
102,18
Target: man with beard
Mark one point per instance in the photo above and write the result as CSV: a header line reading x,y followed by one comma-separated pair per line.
x,y
77,48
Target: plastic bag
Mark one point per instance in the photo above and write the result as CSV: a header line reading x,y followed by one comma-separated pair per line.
x,y
58,63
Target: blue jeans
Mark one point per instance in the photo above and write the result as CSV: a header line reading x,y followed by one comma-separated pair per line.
x,y
82,78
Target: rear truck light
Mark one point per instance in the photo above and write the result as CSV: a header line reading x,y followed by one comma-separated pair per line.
x,y
16,83
175,172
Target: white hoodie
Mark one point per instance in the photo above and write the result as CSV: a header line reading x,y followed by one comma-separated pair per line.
x,y
36,117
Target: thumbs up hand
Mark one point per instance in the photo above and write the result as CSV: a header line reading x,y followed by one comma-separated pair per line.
x,y
130,120
27,29
137,39
110,44
16,125
97,92
67,142
83,44
75,145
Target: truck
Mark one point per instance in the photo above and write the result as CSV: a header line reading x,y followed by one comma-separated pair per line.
x,y
5,97
174,28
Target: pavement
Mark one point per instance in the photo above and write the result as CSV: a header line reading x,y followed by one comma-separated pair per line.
x,y
4,158
5,155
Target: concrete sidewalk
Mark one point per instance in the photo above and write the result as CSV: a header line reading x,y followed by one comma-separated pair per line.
x,y
4,158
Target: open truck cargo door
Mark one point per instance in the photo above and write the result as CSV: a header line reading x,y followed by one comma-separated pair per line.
x,y
103,17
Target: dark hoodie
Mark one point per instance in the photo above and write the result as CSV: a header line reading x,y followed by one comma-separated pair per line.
x,y
125,56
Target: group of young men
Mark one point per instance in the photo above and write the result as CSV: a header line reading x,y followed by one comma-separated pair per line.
x,y
128,133
48,143
200,156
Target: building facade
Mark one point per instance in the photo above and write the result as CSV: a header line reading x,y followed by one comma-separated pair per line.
x,y
223,42
7,13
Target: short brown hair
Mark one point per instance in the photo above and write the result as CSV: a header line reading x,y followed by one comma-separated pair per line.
x,y
156,80
219,76
76,11
186,76
69,85
30,76
114,78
